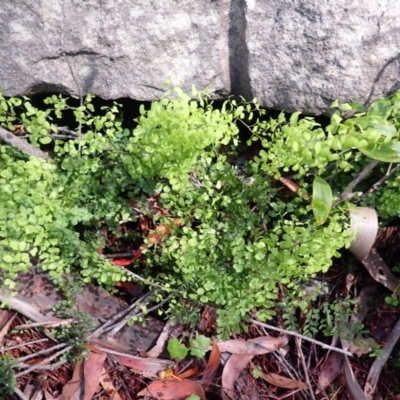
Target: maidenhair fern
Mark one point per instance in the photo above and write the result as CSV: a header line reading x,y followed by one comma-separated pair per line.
x,y
241,231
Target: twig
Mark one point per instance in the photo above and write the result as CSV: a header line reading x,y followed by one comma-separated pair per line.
x,y
54,136
380,362
44,362
63,137
20,394
323,345
44,351
285,364
289,394
156,307
383,179
139,278
22,145
119,255
46,324
158,361
117,327
127,314
105,327
66,130
347,193
303,363
25,344
50,367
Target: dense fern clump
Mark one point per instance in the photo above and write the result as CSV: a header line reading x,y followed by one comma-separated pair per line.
x,y
241,231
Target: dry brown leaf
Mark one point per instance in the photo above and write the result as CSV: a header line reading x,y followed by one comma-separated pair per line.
x,y
108,386
188,373
283,381
146,367
243,352
6,327
172,390
233,367
85,379
92,370
212,367
294,187
73,386
257,346
330,369
4,317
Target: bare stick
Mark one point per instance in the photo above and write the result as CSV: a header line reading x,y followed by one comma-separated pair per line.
x,y
66,130
379,363
156,307
44,362
119,255
303,363
157,361
383,179
124,314
46,324
139,278
347,193
323,345
25,344
292,372
20,394
117,327
50,367
44,351
22,145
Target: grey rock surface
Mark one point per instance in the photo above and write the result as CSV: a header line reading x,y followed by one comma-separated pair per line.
x,y
115,48
302,54
290,54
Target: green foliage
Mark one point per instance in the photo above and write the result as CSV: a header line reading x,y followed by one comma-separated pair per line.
x,y
321,199
41,209
257,372
172,135
240,234
177,349
7,375
392,300
198,347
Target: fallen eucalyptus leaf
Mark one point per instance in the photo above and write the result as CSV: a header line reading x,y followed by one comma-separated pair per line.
x,y
330,370
364,225
245,351
283,381
171,389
